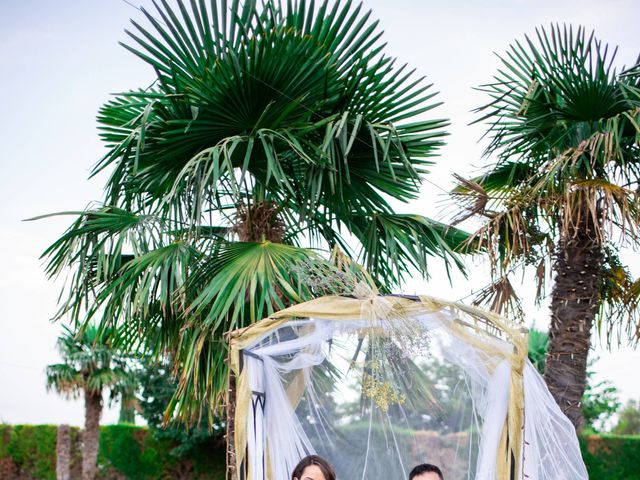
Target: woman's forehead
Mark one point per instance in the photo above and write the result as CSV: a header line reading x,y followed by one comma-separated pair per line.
x,y
312,472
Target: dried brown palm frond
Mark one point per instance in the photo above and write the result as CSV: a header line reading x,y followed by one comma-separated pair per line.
x,y
472,198
621,310
501,297
541,278
610,208
504,237
582,162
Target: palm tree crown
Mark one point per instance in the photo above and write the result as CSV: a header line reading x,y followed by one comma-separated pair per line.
x,y
565,129
271,131
89,365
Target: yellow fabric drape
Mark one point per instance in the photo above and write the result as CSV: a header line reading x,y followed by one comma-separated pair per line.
x,y
476,332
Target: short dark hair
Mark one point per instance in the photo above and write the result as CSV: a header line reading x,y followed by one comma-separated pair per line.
x,y
326,468
425,468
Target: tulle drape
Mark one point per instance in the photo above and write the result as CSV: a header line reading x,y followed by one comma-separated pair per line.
x,y
377,396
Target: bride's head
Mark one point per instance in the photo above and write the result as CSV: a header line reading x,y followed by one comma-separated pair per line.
x,y
313,467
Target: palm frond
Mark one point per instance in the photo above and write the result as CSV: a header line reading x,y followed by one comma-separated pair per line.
x,y
619,317
64,379
153,280
242,283
392,244
553,93
501,297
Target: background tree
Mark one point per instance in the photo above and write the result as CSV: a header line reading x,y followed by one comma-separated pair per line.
x,y
629,421
270,133
562,196
157,387
600,402
90,366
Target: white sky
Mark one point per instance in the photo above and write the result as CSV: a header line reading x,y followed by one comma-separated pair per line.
x,y
60,60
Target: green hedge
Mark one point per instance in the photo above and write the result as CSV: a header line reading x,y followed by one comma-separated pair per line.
x,y
138,455
613,457
28,452
31,448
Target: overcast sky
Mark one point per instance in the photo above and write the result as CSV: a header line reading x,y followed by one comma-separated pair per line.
x,y
59,61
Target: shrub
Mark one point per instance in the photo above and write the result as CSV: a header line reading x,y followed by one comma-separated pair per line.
x,y
127,449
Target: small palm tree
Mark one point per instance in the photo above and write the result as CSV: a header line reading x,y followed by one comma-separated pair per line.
x,y
89,367
563,195
273,131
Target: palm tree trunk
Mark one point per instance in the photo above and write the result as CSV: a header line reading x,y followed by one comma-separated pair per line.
x,y
574,305
63,453
127,411
91,434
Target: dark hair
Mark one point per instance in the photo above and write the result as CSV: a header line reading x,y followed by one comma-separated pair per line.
x,y
425,468
326,468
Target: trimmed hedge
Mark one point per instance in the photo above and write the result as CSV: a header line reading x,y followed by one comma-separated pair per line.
x,y
27,452
32,450
138,455
614,457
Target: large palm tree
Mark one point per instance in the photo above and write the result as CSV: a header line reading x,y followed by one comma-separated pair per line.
x,y
90,367
562,196
272,133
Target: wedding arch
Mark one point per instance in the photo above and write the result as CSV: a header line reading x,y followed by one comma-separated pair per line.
x,y
381,383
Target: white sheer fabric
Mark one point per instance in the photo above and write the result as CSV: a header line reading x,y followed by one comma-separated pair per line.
x,y
551,449
376,398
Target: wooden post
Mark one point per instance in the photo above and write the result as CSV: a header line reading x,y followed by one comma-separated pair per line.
x,y
231,412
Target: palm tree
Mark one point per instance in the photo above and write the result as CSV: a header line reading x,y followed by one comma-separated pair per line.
x,y
271,134
90,366
562,196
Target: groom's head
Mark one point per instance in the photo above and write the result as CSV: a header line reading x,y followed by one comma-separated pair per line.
x,y
426,471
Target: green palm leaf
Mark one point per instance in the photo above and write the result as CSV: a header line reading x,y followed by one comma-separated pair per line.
x,y
405,241
242,283
554,94
262,269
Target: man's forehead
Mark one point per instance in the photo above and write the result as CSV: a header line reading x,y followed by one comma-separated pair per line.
x,y
427,476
